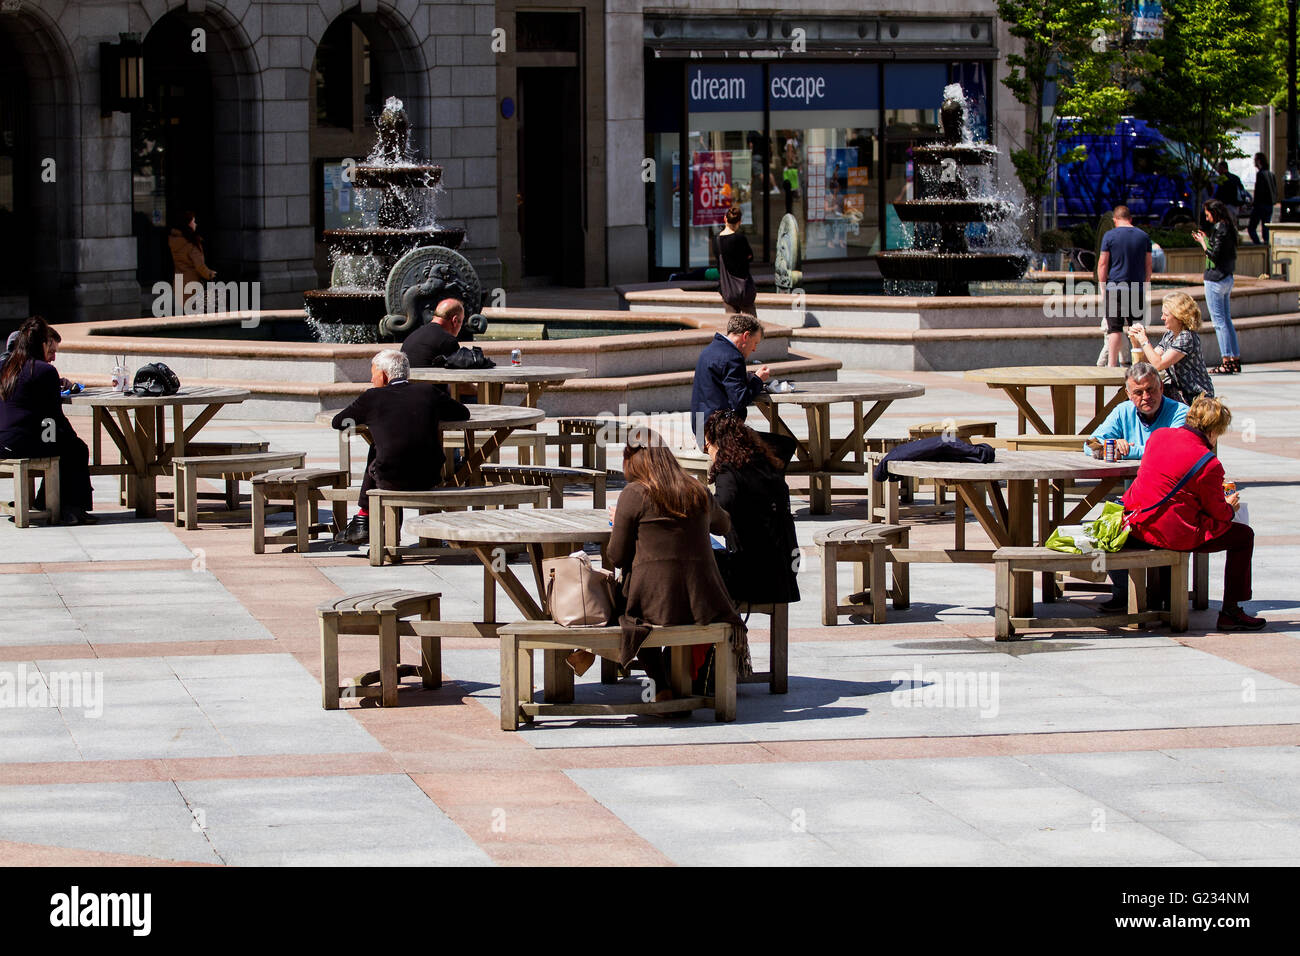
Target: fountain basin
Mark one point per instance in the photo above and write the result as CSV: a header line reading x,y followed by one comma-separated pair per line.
x,y
951,210
918,265
405,177
649,367
390,242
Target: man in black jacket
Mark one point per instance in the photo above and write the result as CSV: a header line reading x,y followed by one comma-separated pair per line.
x,y
403,419
430,345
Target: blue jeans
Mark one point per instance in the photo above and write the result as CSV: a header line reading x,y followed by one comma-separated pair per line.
x,y
1216,300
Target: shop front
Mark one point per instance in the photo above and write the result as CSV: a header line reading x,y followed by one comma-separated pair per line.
x,y
826,139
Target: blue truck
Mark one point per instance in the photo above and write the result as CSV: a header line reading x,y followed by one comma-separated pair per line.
x,y
1135,166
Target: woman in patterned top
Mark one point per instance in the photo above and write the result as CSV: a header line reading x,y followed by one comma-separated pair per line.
x,y
1178,356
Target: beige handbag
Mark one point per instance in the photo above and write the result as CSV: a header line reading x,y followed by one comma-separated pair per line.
x,y
576,593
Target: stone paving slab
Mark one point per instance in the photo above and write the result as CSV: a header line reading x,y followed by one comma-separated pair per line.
x,y
293,821
1044,810
149,710
842,690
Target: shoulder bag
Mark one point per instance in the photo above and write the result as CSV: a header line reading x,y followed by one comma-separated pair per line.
x,y
577,594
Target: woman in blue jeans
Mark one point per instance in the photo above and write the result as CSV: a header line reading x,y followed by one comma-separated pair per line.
x,y
1221,250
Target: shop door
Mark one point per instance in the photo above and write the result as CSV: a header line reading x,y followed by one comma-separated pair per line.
x,y
551,209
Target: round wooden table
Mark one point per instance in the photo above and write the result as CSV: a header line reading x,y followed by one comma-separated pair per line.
x,y
1062,380
819,456
500,420
491,382
1009,521
546,533
140,433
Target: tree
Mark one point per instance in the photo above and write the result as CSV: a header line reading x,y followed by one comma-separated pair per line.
x,y
1067,44
1215,72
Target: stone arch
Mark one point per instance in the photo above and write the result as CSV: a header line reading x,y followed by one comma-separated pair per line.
x,y
216,163
41,107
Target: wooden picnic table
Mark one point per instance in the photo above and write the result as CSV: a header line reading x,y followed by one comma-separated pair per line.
x,y
1062,380
819,456
545,533
491,382
1009,520
500,420
137,425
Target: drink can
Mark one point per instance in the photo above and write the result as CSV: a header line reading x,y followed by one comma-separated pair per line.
x,y
1110,449
1229,489
516,357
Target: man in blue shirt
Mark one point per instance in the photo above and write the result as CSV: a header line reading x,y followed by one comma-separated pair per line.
x,y
1124,270
721,378
1132,422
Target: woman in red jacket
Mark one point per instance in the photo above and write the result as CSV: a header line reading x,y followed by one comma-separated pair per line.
x,y
1198,517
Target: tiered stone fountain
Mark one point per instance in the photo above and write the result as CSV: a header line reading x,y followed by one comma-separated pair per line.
x,y
955,190
395,194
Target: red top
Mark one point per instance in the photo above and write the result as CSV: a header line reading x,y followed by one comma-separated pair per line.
x,y
1198,512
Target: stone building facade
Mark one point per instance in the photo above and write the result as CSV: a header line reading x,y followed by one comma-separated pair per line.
x,y
251,107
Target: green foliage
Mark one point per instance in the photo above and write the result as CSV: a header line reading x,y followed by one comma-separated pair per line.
x,y
1068,41
1054,240
1172,238
1215,70
1084,235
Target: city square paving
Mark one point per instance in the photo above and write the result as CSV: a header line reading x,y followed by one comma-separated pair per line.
x,y
206,742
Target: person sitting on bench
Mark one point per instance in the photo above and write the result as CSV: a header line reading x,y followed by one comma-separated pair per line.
x,y
403,419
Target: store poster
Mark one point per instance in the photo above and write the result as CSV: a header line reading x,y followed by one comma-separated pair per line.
x,y
720,178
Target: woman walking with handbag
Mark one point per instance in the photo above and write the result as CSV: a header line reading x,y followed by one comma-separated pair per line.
x,y
1221,250
661,543
735,284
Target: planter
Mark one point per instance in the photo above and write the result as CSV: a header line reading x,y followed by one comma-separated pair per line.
x,y
1251,260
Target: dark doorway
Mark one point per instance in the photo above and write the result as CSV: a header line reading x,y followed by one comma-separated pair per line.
x,y
552,214
17,173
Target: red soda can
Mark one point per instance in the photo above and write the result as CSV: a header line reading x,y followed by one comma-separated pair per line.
x,y
1110,449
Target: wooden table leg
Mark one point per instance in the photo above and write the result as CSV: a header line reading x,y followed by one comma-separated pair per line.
x,y
1020,533
1044,525
146,482
819,482
1064,419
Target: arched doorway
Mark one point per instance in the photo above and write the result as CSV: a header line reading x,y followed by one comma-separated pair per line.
x,y
361,60
38,168
194,147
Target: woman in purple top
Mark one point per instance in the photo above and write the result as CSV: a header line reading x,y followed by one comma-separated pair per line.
x,y
32,423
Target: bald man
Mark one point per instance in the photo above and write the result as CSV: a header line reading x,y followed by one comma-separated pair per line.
x,y
430,345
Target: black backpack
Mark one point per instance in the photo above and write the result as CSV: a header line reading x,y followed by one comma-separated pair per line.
x,y
155,379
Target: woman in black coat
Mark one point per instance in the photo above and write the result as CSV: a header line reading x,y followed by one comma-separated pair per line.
x,y
750,487
32,423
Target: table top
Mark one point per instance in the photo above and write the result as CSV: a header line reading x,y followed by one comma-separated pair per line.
x,y
515,526
1018,466
188,395
481,418
1047,375
824,393
507,374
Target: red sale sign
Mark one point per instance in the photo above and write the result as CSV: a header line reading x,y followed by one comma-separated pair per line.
x,y
710,187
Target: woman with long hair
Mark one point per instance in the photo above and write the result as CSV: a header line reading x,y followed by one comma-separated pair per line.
x,y
751,488
32,423
1221,250
661,543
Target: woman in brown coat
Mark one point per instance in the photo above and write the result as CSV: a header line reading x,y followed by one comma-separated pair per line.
x,y
187,251
661,543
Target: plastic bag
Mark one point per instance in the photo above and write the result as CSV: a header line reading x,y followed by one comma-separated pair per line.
x,y
1110,531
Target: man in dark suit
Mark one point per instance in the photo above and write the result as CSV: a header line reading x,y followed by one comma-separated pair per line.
x,y
403,419
721,379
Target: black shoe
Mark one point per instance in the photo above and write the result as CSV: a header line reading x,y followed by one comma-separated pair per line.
x,y
357,531
1238,620
1113,606
73,516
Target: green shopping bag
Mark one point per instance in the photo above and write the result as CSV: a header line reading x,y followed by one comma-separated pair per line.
x,y
1107,533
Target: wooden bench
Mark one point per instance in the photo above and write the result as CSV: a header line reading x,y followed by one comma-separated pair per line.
x,y
593,435
234,468
24,472
1040,442
530,445
385,509
694,463
1014,567
963,429
776,676
297,490
197,449
868,545
382,614
554,479
520,639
